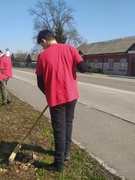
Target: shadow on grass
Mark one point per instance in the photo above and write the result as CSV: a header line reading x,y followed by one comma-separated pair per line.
x,y
24,155
40,165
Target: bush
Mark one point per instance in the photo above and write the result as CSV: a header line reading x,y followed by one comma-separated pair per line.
x,y
95,70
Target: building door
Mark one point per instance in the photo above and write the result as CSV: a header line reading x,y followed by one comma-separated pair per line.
x,y
133,67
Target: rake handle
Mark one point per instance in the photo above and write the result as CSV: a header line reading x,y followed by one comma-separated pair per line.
x,y
18,147
33,126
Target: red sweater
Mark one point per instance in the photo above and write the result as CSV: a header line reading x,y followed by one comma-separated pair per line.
x,y
5,67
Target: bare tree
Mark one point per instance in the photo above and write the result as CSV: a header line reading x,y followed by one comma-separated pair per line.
x,y
57,17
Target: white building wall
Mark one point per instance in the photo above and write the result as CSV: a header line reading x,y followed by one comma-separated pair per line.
x,y
99,65
115,70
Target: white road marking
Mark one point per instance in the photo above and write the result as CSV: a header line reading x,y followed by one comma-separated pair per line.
x,y
108,88
82,83
26,80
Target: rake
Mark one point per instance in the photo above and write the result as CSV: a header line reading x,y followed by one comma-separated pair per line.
x,y
18,147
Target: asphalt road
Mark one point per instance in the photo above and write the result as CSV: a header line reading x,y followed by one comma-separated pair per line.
x,y
104,121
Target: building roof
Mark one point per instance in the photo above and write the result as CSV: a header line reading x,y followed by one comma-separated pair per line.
x,y
20,57
111,46
34,56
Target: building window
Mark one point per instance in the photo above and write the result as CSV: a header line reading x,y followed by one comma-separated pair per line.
x,y
88,62
96,63
110,63
123,63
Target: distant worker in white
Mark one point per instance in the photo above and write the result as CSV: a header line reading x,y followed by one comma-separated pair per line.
x,y
7,52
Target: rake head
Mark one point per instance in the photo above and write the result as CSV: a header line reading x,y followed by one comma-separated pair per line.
x,y
13,154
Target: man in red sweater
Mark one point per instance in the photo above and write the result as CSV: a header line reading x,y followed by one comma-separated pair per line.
x,y
5,74
56,78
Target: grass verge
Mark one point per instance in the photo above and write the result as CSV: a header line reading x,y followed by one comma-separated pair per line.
x,y
37,150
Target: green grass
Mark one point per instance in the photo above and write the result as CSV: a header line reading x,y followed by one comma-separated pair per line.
x,y
16,120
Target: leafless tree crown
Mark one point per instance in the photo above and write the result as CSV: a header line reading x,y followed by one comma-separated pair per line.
x,y
56,16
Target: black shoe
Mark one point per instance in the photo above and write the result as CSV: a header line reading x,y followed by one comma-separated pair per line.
x,y
8,102
67,158
56,167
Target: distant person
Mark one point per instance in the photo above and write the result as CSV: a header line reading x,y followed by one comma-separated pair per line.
x,y
5,74
56,78
7,52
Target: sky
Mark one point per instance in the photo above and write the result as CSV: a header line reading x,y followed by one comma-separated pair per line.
x,y
96,21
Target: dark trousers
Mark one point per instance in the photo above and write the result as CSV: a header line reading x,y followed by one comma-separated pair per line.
x,y
62,120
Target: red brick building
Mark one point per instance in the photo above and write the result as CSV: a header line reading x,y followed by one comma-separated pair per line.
x,y
112,57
